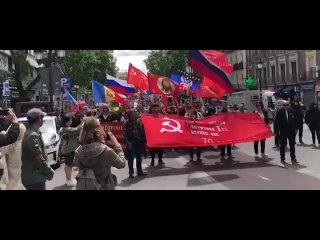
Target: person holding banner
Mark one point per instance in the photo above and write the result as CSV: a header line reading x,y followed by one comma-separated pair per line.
x,y
136,140
223,147
264,115
195,115
155,109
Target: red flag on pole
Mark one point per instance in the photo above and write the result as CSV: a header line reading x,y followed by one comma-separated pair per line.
x,y
205,91
213,86
137,78
163,86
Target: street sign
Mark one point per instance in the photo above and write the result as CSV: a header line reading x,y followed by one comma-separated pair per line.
x,y
65,81
5,93
6,89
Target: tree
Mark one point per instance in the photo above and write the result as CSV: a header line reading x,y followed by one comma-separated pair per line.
x,y
83,66
20,72
160,61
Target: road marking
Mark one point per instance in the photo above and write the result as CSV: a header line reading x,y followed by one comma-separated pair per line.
x,y
264,178
305,171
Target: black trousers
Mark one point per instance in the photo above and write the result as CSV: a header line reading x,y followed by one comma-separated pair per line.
x,y
36,186
135,152
300,131
153,154
276,134
256,146
315,131
223,150
198,152
283,143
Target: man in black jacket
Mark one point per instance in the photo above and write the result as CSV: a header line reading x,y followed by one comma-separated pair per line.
x,y
297,109
288,125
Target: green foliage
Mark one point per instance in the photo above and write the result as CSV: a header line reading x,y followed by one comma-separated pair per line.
x,y
86,65
160,61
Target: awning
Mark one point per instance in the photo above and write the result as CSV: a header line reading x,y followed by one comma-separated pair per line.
x,y
288,89
32,61
7,52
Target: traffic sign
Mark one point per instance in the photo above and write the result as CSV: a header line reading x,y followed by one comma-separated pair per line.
x,y
65,81
5,93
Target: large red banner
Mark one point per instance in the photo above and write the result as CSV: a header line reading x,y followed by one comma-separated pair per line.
x,y
220,129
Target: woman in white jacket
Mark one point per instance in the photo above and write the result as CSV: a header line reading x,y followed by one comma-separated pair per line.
x,y
11,159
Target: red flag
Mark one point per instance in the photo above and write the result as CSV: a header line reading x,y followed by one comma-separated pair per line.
x,y
163,86
219,58
137,78
215,56
205,91
225,128
226,66
213,86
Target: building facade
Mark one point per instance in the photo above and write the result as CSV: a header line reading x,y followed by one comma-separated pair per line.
x,y
6,73
292,72
238,59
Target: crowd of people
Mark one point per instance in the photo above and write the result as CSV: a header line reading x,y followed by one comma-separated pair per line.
x,y
85,144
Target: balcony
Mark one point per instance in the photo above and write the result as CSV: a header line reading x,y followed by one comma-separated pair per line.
x,y
310,76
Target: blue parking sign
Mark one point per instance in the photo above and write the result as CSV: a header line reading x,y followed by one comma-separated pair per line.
x,y
65,81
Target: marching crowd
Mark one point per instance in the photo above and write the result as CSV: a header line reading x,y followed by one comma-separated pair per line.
x,y
86,145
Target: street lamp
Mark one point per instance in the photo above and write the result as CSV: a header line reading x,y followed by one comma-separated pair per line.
x,y
76,88
260,66
47,57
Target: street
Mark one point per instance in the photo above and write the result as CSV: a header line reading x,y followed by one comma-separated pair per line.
x,y
243,173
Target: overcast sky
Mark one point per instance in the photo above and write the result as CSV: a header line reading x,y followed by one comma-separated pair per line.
x,y
136,57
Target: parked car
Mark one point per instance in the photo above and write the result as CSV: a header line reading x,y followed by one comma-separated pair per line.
x,y
51,136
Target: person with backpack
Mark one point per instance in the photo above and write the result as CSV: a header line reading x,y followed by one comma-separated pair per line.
x,y
98,153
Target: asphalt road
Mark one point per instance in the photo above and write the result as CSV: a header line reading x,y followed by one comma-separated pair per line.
x,y
245,172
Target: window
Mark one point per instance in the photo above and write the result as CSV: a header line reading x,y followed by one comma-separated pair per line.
x,y
273,74
265,76
240,57
311,62
236,59
294,71
283,72
230,59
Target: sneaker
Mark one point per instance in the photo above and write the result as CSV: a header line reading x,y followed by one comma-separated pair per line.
x,y
301,142
131,176
256,155
276,146
71,183
263,155
230,157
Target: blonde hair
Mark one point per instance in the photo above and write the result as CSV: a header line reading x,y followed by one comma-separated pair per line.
x,y
92,131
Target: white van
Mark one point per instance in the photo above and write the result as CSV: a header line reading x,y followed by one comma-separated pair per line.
x,y
269,102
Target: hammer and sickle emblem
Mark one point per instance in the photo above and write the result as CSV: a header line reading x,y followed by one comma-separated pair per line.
x,y
172,128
